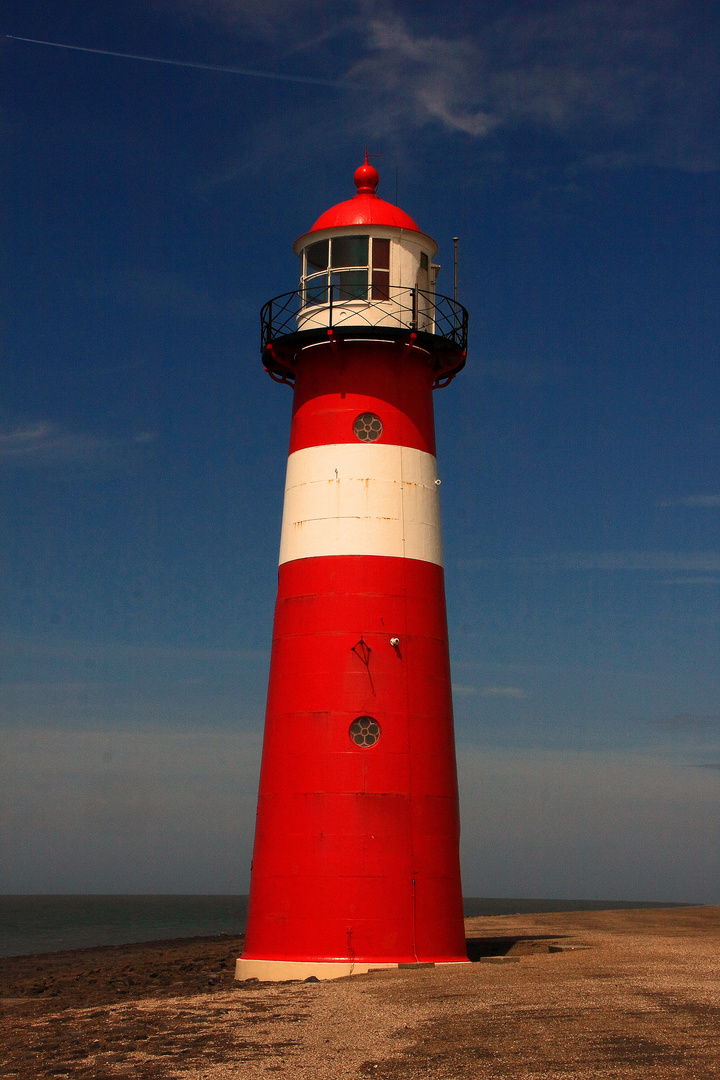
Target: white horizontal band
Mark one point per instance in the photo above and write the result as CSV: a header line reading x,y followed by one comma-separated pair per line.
x,y
361,499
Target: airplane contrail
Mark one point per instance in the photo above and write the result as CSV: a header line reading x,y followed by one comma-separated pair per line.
x,y
186,63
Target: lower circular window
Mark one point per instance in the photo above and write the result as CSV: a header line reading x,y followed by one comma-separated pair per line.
x,y
365,731
368,427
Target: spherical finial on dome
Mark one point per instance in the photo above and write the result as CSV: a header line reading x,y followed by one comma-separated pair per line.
x,y
367,178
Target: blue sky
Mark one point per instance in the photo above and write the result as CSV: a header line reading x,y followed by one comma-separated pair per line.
x,y
150,212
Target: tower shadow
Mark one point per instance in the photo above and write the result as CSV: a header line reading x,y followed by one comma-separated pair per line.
x,y
518,945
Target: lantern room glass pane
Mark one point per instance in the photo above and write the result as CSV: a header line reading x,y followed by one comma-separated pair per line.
x,y
316,257
380,285
350,251
316,292
381,254
350,285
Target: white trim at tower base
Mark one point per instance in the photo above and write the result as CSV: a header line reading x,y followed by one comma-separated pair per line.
x,y
282,970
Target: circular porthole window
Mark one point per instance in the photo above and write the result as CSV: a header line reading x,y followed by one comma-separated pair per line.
x,y
365,731
368,427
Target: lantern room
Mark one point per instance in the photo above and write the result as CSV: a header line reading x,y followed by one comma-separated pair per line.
x,y
367,259
365,267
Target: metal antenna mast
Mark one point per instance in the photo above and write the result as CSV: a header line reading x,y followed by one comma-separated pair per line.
x,y
455,244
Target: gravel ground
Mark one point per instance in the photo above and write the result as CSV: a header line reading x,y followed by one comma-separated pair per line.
x,y
585,994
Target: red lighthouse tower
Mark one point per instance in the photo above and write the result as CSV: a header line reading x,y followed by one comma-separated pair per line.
x,y
356,863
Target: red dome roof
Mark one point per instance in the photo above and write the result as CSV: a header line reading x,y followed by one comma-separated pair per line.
x,y
365,208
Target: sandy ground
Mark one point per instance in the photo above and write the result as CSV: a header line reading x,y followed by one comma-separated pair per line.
x,y
633,993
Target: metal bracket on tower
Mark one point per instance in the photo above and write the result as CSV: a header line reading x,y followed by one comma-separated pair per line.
x,y
281,366
362,650
444,376
409,344
333,339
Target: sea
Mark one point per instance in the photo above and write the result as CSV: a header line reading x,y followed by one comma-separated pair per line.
x,y
39,924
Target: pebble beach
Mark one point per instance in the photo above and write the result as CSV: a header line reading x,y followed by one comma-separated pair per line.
x,y
583,994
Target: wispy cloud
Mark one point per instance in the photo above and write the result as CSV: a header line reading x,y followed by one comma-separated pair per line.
x,y
287,24
663,561
511,692
522,371
120,685
101,651
516,692
609,68
636,560
703,581
44,442
121,811
248,72
463,691
588,823
685,721
168,699
446,93
152,290
707,501
620,82
172,811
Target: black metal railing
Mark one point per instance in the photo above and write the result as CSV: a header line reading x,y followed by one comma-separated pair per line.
x,y
331,307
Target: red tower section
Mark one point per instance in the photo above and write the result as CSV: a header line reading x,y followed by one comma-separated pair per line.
x,y
356,863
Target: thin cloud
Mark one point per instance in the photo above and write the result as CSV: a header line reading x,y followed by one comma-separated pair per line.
x,y
141,698
516,692
568,823
626,83
621,83
524,371
109,810
288,25
685,721
112,650
692,581
699,562
638,73
250,72
44,443
450,67
707,501
707,561
152,290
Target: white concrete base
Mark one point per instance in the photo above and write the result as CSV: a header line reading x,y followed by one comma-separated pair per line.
x,y
282,970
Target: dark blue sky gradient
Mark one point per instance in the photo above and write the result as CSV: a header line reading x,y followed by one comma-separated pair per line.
x,y
150,212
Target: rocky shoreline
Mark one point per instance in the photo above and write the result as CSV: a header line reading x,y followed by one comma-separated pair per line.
x,y
579,994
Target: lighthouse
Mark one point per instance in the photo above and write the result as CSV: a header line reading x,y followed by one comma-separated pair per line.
x,y
355,862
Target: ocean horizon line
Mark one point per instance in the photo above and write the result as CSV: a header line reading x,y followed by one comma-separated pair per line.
x,y
33,923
